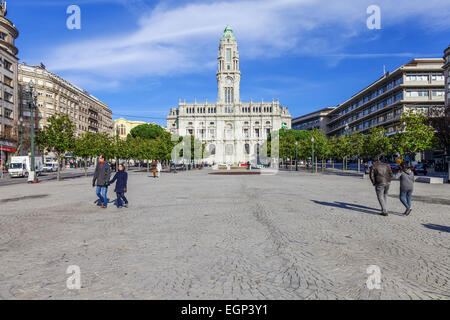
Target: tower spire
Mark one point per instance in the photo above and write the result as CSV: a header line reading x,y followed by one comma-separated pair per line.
x,y
228,74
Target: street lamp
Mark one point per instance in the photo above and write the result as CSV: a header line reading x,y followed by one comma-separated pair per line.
x,y
32,103
296,153
20,135
346,133
312,141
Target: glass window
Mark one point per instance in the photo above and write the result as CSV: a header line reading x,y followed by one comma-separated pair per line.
x,y
228,55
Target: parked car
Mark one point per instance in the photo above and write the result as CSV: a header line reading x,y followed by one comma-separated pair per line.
x,y
394,167
50,167
420,168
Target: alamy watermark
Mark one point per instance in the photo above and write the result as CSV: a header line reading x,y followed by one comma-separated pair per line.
x,y
74,20
74,281
374,20
374,279
189,149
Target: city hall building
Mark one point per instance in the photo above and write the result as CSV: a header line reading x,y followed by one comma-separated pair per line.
x,y
233,131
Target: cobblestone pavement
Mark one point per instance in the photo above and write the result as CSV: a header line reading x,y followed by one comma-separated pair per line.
x,y
197,236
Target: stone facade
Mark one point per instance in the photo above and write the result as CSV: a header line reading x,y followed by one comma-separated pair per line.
x,y
58,96
8,94
122,127
232,131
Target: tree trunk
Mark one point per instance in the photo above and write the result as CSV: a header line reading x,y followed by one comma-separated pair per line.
x,y
332,163
58,174
148,166
343,164
358,165
85,167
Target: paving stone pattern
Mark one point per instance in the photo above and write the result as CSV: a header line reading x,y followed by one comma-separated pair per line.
x,y
192,235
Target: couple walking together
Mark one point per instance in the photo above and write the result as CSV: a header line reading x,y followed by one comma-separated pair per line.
x,y
102,180
381,176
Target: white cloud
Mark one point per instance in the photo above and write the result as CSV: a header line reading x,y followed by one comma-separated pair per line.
x,y
185,38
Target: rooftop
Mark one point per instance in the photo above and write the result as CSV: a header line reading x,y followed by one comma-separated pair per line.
x,y
227,32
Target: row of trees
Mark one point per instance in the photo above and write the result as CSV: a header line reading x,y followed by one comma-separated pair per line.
x,y
145,142
415,135
152,142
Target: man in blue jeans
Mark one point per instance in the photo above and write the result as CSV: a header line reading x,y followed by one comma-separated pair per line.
x,y
101,176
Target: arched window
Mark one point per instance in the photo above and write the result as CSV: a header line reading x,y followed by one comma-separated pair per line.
x,y
212,149
229,131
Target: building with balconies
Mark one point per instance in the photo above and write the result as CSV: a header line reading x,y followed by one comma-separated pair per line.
x,y
418,84
58,96
314,120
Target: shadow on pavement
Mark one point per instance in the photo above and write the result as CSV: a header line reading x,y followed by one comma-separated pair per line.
x,y
436,227
353,207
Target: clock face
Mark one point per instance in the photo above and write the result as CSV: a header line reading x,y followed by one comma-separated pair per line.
x,y
229,81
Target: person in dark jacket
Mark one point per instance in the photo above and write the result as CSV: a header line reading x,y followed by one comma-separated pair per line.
x,y
101,177
121,186
406,177
381,176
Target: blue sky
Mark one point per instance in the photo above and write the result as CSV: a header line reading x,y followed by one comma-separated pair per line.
x,y
141,56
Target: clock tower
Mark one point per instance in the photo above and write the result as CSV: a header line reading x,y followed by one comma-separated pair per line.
x,y
228,74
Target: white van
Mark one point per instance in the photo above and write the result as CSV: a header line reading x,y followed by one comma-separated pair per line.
x,y
20,166
50,166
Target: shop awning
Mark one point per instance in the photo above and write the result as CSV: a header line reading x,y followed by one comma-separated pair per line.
x,y
7,149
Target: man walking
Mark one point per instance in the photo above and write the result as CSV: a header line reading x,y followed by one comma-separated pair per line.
x,y
381,176
101,176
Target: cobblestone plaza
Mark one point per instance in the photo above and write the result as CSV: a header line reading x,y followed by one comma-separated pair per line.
x,y
192,235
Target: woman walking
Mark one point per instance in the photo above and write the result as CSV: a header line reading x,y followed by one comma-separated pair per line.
x,y
406,177
121,186
158,169
154,168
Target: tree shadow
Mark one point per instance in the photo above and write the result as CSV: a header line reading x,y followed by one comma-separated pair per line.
x,y
353,207
436,227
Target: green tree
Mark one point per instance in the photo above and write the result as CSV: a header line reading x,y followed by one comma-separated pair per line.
x,y
147,131
57,137
415,135
376,143
342,148
356,141
85,147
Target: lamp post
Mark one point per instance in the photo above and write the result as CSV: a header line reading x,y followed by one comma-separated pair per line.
x,y
346,133
20,135
296,153
312,141
32,103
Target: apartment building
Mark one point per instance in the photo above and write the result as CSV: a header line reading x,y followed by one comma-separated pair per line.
x,y
314,120
418,84
58,96
446,68
8,92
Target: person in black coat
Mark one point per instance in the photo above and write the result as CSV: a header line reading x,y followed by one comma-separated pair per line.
x,y
121,186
